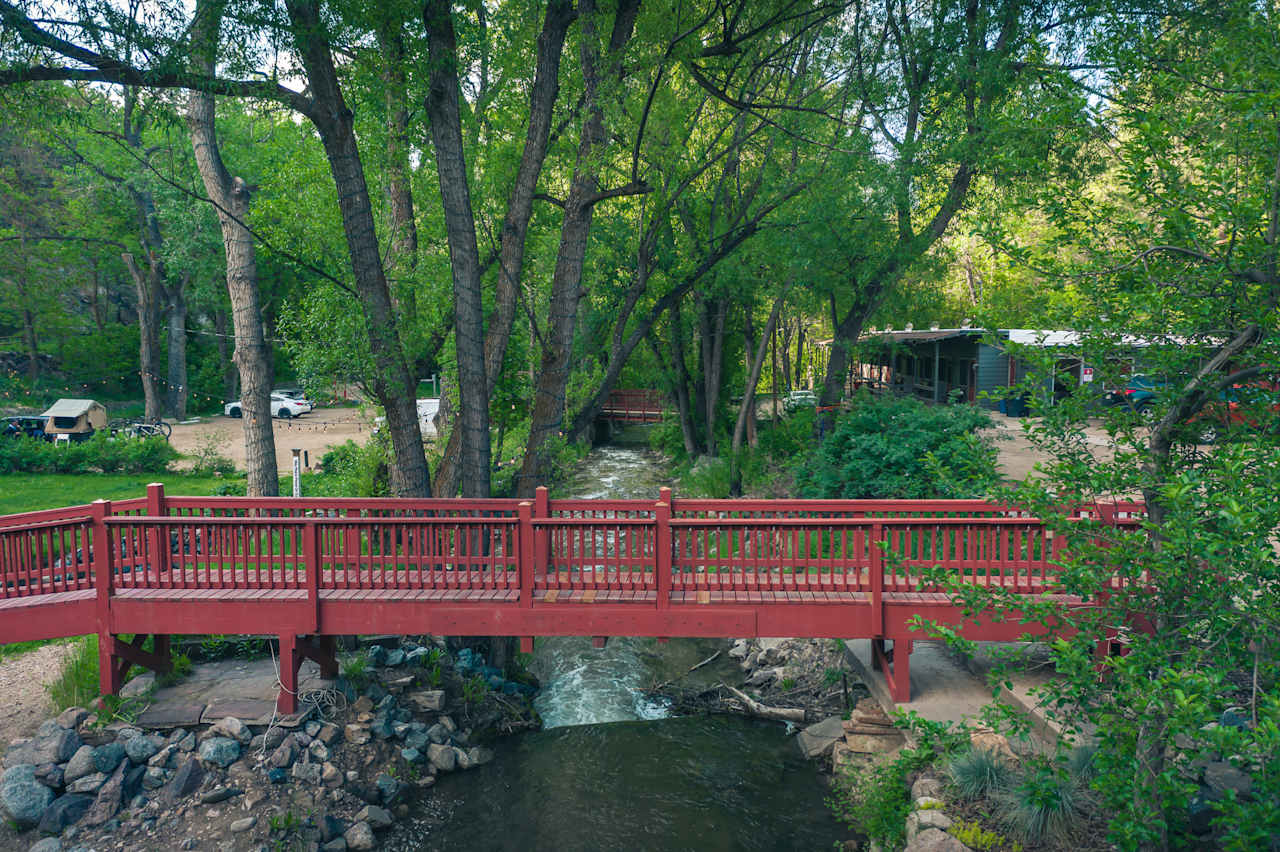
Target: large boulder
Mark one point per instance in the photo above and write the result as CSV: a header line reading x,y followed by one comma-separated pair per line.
x,y
51,744
23,799
141,749
232,728
64,811
818,739
107,757
109,799
918,821
935,840
442,757
80,764
360,835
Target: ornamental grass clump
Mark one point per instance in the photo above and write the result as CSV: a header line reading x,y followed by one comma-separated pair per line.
x,y
977,773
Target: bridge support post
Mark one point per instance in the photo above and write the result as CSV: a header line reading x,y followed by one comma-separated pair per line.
x,y
322,650
116,657
896,666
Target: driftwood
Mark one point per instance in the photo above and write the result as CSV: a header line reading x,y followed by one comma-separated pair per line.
x,y
879,721
755,708
665,685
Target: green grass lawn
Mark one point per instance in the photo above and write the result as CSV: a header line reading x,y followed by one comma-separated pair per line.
x,y
29,492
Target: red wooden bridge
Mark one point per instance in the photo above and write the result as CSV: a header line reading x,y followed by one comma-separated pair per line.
x,y
631,405
309,570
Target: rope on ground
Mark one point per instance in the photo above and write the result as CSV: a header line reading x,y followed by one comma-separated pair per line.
x,y
325,701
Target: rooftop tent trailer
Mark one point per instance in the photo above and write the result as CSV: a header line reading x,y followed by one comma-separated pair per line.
x,y
75,418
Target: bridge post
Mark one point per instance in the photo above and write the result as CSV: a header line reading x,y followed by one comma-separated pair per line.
x,y
528,549
157,536
662,551
541,547
108,676
877,579
311,558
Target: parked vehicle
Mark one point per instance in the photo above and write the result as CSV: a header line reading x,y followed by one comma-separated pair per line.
x,y
1252,405
1139,394
74,419
799,399
427,410
282,406
140,428
28,425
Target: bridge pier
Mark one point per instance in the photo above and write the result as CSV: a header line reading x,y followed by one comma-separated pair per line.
x,y
116,657
323,650
895,665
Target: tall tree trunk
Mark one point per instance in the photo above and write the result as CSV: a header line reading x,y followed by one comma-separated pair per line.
x,y
799,362
391,382
747,412
682,382
144,285
464,256
515,225
177,322
404,229
229,372
33,345
711,320
567,289
748,347
787,379
231,199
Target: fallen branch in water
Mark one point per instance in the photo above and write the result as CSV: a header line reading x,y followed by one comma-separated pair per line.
x,y
660,687
755,708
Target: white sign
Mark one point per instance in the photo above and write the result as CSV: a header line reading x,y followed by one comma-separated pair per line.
x,y
1086,374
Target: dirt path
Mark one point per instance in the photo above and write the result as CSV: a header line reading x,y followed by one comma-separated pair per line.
x,y
1018,458
22,683
314,433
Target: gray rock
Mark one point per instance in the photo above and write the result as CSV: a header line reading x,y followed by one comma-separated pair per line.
x,y
740,650
141,749
448,723
186,780
410,755
377,655
818,739
330,775
153,778
378,818
221,751
1221,777
240,826
51,744
108,801
308,773
417,740
918,821
312,728
50,775
176,736
399,729
357,734
65,810
140,685
337,844
80,764
272,737
232,728
382,726
72,717
126,733
23,799
388,788
764,677
935,840
285,754
87,784
926,786
319,751
395,658
438,733
442,757
219,794
359,836
187,743
106,758
164,758
49,844
329,734
464,759
480,755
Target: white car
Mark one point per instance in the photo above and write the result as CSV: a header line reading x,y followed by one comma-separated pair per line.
x,y
427,409
282,406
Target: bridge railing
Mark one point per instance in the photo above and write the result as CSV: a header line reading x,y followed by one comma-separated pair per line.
x,y
626,550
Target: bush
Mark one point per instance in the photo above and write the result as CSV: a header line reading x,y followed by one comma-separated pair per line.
x,y
100,454
355,470
977,773
207,458
902,448
1044,803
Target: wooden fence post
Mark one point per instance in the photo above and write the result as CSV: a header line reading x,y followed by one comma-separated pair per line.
x,y
158,536
528,550
108,680
662,552
311,557
877,579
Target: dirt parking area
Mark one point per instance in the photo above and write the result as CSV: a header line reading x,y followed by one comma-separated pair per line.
x,y
1018,457
314,433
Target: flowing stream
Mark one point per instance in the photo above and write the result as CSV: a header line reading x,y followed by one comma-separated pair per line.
x,y
612,770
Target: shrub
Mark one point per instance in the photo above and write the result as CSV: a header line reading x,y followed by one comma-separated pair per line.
x,y
77,682
1044,803
207,458
355,470
101,454
901,448
977,773
980,839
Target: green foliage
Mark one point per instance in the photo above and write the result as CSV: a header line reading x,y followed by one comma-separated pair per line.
x,y
354,470
223,647
902,448
474,689
207,458
100,454
77,682
182,667
977,772
976,837
355,670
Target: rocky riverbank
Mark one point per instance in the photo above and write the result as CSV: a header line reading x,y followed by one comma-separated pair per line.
x,y
338,776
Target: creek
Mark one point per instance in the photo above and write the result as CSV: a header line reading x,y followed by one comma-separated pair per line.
x,y
612,769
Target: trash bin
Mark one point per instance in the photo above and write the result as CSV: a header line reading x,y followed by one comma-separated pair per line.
x,y
1017,407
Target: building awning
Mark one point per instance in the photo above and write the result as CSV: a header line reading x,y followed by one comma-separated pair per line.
x,y
70,408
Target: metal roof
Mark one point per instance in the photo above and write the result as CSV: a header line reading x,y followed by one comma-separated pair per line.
x,y
70,408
